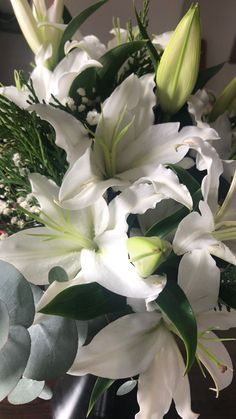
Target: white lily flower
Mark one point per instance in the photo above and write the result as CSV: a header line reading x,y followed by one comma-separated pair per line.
x,y
200,106
146,348
81,240
56,82
199,277
127,146
90,44
41,26
213,230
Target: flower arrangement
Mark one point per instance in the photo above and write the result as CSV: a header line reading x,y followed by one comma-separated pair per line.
x,y
118,191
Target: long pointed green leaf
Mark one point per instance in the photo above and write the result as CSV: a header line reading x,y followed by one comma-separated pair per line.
x,y
186,178
75,24
114,59
205,75
85,302
175,305
164,227
152,51
100,386
104,78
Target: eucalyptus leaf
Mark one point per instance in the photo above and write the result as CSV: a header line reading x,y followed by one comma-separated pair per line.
x,y
57,273
54,344
25,391
167,225
75,24
13,359
100,386
46,393
16,293
175,305
126,387
4,324
84,302
205,75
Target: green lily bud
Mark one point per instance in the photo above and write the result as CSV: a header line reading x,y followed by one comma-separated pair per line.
x,y
179,65
225,101
27,24
147,253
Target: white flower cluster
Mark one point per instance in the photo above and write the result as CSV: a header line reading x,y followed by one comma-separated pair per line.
x,y
123,164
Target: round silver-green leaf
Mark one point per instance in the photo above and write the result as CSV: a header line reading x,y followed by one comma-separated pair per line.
x,y
54,344
13,359
16,293
25,391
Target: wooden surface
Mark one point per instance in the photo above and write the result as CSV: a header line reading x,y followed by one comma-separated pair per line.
x,y
203,401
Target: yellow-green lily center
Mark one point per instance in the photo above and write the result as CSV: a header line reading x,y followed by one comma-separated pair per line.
x,y
109,150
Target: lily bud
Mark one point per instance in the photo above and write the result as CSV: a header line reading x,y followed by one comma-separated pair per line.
x,y
225,101
179,65
147,253
27,24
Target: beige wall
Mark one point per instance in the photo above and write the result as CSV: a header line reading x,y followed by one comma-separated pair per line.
x,y
218,28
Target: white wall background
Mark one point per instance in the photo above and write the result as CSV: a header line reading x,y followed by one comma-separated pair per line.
x,y
218,29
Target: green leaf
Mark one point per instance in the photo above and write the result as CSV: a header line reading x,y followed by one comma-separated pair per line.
x,y
112,62
104,78
175,305
87,80
75,24
13,359
54,343
186,178
152,50
57,273
205,75
100,386
164,227
85,302
25,391
16,293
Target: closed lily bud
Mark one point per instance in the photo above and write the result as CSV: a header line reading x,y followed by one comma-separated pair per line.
x,y
225,101
179,65
27,24
147,253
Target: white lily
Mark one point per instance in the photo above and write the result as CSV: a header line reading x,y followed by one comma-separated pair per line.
x,y
146,348
199,277
200,106
86,240
213,230
55,82
41,26
127,146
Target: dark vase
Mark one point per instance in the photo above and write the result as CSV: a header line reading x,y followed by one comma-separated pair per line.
x,y
71,400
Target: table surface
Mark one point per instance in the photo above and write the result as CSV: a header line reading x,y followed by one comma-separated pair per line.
x,y
203,400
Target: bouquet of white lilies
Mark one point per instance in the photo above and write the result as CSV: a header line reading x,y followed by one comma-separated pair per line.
x,y
118,219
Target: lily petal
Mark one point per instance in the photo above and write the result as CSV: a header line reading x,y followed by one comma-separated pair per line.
x,y
110,267
133,353
71,136
221,371
199,277
34,256
195,231
162,381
